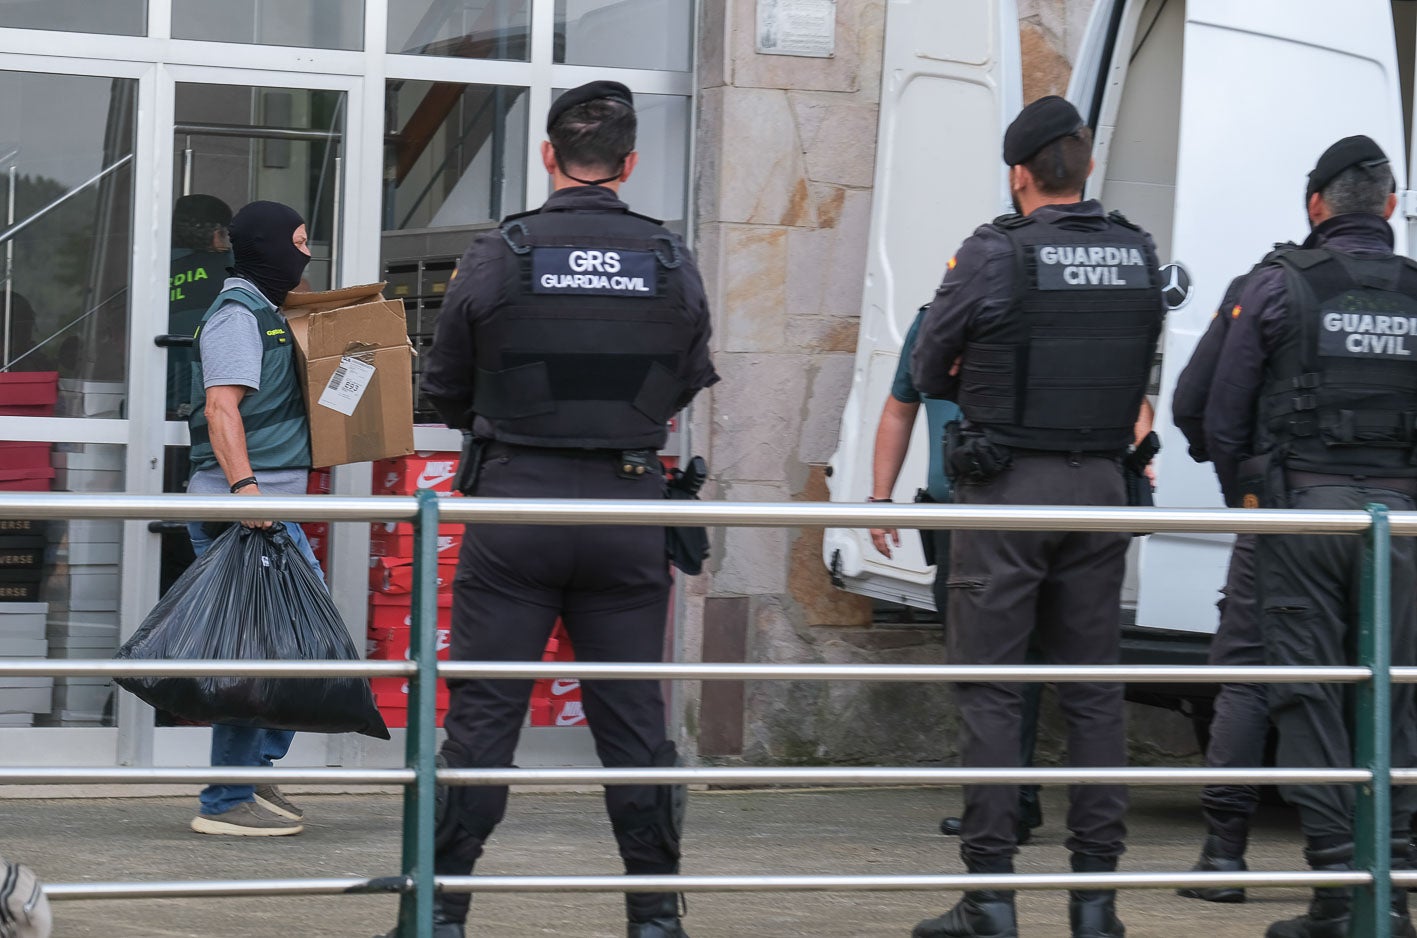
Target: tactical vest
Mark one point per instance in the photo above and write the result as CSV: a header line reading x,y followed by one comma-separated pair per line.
x,y
1065,368
589,346
196,281
277,431
1340,391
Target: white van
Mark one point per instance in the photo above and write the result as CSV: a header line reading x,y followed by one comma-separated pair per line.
x,y
1208,115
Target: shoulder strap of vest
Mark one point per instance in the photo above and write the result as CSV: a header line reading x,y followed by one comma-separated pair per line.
x,y
1013,220
250,299
1118,218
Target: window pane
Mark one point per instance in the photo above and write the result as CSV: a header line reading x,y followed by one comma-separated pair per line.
x,y
111,17
456,154
455,163
64,309
318,24
467,29
624,33
240,144
60,580
659,185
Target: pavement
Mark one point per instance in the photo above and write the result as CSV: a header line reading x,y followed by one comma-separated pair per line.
x,y
839,831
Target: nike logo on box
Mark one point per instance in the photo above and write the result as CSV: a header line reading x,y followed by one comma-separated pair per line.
x,y
562,686
572,714
435,473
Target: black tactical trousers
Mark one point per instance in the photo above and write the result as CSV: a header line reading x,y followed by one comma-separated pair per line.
x,y
610,586
1241,721
1309,592
1062,591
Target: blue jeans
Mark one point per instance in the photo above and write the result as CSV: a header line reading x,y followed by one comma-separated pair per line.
x,y
245,745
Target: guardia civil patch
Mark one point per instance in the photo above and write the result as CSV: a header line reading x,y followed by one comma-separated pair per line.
x,y
1090,266
1366,335
591,272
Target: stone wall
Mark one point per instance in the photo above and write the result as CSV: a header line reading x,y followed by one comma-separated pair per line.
x,y
785,156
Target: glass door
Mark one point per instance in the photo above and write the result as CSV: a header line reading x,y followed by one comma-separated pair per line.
x,y
234,144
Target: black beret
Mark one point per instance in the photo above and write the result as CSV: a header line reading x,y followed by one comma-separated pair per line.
x,y
1350,151
592,91
1038,125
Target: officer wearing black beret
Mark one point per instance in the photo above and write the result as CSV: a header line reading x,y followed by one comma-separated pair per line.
x,y
1043,330
570,336
1313,407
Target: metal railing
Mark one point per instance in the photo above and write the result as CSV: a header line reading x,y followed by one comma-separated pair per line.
x,y
416,884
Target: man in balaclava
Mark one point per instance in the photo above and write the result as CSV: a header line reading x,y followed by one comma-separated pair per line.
x,y
251,436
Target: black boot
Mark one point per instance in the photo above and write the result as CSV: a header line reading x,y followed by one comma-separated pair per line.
x,y
1401,926
981,913
1213,859
443,925
653,915
1092,913
1329,910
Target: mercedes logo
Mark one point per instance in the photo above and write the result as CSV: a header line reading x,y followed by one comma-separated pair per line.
x,y
1175,285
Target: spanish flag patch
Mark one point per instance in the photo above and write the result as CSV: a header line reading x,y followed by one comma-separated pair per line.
x,y
1235,313
951,264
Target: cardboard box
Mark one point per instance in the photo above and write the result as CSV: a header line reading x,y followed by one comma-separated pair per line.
x,y
393,644
354,355
546,712
384,619
30,393
382,544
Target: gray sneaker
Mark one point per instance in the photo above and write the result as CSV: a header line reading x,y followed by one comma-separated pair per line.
x,y
273,800
247,819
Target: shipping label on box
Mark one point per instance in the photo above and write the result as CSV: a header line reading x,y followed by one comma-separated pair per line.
x,y
357,370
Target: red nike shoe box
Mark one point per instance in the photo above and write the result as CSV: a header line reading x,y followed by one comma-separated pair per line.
x,y
546,712
392,644
395,574
393,692
382,543
319,483
395,610
25,455
405,475
28,394
557,688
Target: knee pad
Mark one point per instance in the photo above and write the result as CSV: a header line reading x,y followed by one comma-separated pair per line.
x,y
465,816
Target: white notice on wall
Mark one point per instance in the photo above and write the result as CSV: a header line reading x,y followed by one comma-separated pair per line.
x,y
797,27
347,385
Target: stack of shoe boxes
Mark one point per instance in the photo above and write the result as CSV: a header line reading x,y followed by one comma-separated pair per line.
x,y
24,467
96,399
22,699
318,532
557,701
391,576
83,581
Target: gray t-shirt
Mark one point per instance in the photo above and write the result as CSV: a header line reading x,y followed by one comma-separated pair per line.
x,y
231,355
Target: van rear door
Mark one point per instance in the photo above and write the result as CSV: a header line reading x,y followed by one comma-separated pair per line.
x,y
1267,85
951,81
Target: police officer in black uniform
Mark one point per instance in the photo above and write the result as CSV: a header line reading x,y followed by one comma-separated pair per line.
x,y
1240,722
570,336
1043,330
1314,405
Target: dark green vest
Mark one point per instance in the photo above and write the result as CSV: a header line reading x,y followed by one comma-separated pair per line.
x,y
277,431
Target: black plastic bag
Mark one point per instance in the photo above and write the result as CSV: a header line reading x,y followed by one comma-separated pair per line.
x,y
252,596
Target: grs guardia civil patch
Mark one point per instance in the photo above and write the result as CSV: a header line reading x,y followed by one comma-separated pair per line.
x,y
589,272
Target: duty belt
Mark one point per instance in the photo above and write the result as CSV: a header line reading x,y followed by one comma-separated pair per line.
x,y
1299,479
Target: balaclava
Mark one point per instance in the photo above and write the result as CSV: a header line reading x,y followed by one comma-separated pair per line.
x,y
261,236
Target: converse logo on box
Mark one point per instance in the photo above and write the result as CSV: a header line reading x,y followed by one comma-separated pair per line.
x,y
435,473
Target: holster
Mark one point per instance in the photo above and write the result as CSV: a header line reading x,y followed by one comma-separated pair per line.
x,y
1259,482
971,459
473,449
687,547
1139,494
927,542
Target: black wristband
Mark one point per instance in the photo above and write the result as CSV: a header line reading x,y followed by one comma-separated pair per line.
x,y
238,486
